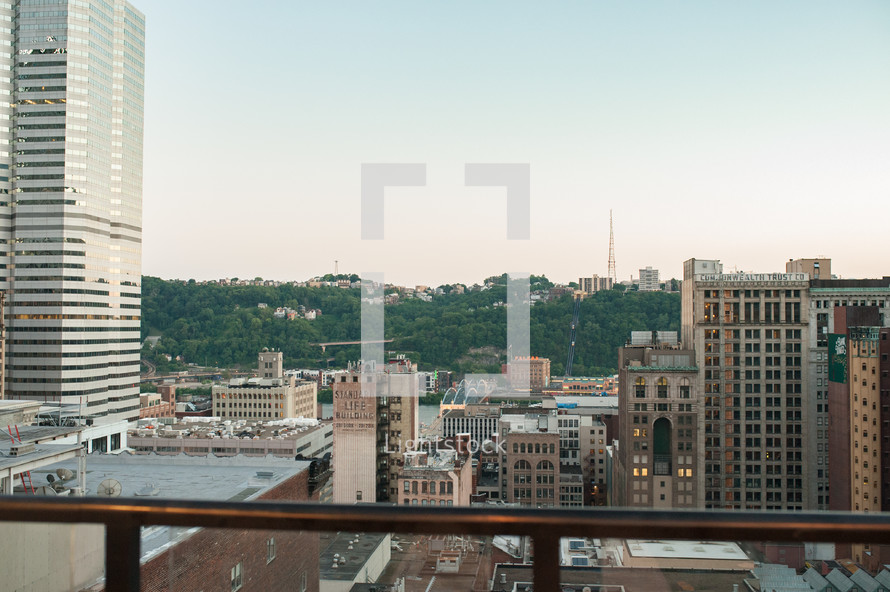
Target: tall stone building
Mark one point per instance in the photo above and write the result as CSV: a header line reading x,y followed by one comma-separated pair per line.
x,y
71,128
749,333
375,421
830,301
660,422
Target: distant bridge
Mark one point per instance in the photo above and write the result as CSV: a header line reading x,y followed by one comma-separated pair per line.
x,y
325,345
194,375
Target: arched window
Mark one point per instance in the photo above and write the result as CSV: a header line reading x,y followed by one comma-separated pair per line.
x,y
545,465
661,431
538,448
522,448
640,387
522,471
685,389
662,387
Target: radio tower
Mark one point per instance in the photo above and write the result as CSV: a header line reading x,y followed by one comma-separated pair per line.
x,y
612,277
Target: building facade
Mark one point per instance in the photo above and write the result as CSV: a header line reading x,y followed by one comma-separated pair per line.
x,y
530,461
830,302
273,396
71,202
649,281
817,269
435,478
535,373
592,285
661,420
376,416
749,333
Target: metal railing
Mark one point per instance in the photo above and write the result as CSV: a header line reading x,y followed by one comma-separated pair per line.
x,y
123,519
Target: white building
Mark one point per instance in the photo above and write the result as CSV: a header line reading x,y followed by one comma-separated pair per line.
x,y
71,202
649,281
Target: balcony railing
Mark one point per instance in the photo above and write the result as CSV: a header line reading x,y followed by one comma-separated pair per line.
x,y
123,519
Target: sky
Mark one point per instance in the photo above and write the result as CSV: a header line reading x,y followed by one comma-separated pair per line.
x,y
750,132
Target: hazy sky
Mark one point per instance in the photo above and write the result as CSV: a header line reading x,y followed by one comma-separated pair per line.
x,y
750,132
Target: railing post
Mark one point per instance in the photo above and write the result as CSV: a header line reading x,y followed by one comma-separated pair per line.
x,y
122,553
546,565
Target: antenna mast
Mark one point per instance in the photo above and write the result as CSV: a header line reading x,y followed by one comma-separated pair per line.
x,y
612,277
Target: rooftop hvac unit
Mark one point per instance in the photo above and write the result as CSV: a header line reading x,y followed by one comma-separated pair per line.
x,y
641,337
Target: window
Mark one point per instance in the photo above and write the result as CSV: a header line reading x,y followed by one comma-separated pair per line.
x,y
237,577
662,388
270,550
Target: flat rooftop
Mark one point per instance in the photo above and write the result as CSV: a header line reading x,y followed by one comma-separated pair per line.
x,y
234,478
631,579
216,427
582,402
705,550
184,477
352,551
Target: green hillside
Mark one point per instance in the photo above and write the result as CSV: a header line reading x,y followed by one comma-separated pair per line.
x,y
222,326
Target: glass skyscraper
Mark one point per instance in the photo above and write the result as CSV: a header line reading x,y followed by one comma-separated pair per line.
x,y
71,130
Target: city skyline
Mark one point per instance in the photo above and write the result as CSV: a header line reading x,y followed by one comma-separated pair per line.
x,y
698,125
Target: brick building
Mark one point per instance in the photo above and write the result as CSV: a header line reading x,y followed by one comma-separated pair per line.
x,y
531,460
436,478
224,560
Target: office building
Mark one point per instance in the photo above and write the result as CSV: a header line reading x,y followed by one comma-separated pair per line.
x,y
435,477
535,373
71,202
531,460
817,269
274,396
659,464
649,280
375,422
594,284
830,301
749,333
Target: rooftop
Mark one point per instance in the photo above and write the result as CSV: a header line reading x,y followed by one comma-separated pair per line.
x,y
182,476
236,478
706,550
519,577
216,427
351,550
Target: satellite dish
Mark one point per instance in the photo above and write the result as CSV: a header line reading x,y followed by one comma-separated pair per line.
x,y
109,488
50,478
65,474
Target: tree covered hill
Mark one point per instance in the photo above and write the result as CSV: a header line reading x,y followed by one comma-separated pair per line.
x,y
212,324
